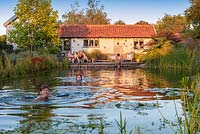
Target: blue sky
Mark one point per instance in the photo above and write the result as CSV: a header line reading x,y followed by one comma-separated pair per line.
x,y
130,11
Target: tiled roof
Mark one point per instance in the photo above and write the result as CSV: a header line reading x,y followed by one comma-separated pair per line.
x,y
106,31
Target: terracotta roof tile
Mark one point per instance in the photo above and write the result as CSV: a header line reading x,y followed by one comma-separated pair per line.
x,y
106,31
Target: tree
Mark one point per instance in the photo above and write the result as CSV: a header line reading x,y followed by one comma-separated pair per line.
x,y
141,22
36,26
74,16
119,22
2,39
192,15
171,24
94,14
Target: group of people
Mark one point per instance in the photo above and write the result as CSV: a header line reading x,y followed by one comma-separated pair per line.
x,y
77,57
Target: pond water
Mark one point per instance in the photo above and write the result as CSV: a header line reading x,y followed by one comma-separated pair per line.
x,y
93,106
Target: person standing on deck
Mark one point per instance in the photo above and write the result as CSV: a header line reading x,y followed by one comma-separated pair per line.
x,y
118,60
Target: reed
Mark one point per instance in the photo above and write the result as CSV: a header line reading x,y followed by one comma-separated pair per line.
x,y
178,59
122,125
24,65
189,123
190,96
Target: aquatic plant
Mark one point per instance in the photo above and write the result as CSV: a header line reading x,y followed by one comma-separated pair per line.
x,y
24,64
122,125
190,95
178,58
189,123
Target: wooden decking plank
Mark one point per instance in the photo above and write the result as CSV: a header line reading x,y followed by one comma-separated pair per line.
x,y
104,65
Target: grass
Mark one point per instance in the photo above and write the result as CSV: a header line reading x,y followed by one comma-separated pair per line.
x,y
168,55
190,96
24,65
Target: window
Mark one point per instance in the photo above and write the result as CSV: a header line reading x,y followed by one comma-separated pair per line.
x,y
96,43
67,45
91,43
141,44
135,45
85,43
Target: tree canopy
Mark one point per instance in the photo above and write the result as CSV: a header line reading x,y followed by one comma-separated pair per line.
x,y
120,22
2,39
94,14
192,15
36,26
74,15
171,24
141,22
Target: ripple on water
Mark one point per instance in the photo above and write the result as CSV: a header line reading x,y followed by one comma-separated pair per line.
x,y
167,92
9,122
73,79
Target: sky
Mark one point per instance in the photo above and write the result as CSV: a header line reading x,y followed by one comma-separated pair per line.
x,y
129,11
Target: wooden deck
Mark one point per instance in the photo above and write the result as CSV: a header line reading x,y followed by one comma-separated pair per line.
x,y
104,64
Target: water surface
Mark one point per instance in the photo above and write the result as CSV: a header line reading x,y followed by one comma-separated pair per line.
x,y
143,97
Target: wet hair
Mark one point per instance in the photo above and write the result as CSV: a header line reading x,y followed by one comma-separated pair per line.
x,y
43,87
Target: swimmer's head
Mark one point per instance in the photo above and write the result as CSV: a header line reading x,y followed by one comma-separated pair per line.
x,y
44,91
79,77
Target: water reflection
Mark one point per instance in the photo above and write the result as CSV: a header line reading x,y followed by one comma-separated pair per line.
x,y
82,107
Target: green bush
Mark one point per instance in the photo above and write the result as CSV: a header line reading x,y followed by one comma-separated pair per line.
x,y
95,54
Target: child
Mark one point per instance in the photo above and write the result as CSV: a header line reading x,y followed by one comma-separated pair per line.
x,y
44,94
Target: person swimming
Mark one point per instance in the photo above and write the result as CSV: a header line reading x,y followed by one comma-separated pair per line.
x,y
44,94
79,77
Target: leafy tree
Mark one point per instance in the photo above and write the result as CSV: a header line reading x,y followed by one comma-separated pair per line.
x,y
119,22
94,14
3,39
36,26
74,16
192,15
171,24
142,22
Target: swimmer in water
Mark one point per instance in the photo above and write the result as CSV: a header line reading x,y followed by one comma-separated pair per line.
x,y
44,94
79,77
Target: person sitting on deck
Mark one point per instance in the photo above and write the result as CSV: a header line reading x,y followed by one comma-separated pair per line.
x,y
80,56
44,94
85,58
70,57
118,61
76,57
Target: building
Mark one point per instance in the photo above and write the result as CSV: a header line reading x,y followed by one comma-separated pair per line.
x,y
109,39
8,24
9,27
